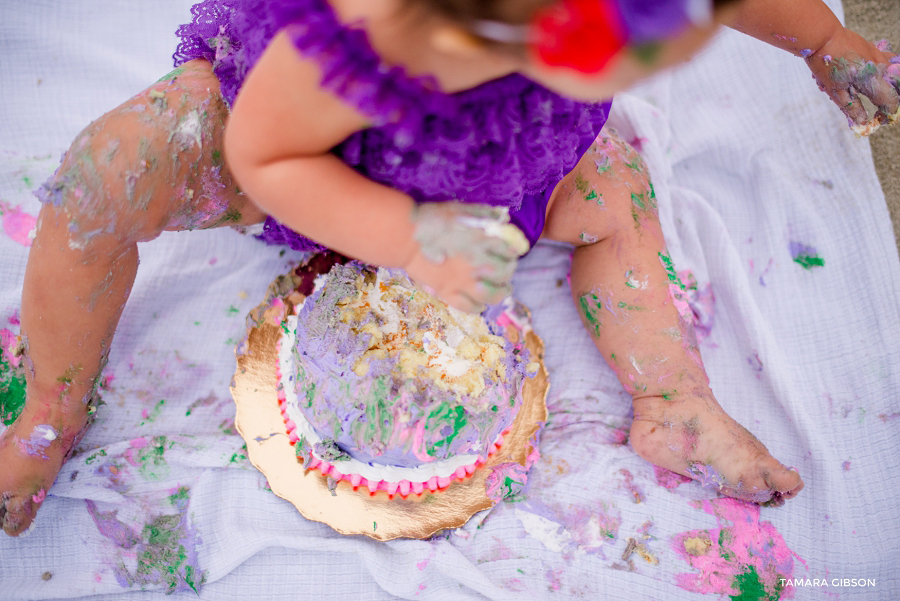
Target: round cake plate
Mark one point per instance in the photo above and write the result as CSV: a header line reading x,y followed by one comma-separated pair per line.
x,y
350,511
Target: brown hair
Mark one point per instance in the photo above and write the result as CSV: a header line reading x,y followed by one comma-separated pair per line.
x,y
474,14
503,11
513,12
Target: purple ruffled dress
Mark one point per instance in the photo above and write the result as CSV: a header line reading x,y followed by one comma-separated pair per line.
x,y
507,142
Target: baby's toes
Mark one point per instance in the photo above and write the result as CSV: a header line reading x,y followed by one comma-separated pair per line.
x,y
784,482
16,513
771,484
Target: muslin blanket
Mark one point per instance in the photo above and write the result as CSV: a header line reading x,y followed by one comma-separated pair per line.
x,y
773,215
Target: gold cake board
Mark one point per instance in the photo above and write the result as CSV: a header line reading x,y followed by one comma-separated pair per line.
x,y
349,511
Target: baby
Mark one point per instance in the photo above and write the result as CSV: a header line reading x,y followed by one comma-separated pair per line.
x,y
388,131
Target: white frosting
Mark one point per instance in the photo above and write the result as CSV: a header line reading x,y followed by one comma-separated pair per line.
x,y
552,535
637,284
459,354
48,433
190,129
507,232
387,311
443,354
873,125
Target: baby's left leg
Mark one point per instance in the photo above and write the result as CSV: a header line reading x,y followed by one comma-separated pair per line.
x,y
630,299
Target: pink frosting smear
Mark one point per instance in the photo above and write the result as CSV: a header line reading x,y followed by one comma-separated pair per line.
x,y
744,557
17,225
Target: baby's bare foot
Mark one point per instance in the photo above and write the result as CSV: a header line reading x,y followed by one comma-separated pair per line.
x,y
32,451
693,436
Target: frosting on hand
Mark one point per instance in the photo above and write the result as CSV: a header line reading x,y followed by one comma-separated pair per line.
x,y
467,253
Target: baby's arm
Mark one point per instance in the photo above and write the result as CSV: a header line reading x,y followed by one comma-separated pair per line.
x,y
278,143
630,300
842,62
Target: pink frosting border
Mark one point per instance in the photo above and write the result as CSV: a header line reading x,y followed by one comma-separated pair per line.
x,y
403,487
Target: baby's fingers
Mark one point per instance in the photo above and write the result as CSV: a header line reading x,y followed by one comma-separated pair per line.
x,y
493,241
492,292
850,105
478,233
498,270
892,73
475,298
464,302
882,94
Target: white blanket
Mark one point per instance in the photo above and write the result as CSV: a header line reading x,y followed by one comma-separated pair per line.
x,y
758,179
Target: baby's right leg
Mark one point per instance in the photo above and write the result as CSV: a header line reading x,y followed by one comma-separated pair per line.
x,y
153,164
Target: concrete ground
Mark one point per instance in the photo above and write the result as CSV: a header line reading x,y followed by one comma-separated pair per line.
x,y
874,20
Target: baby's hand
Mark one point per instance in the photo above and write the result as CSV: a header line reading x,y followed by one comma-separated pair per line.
x,y
466,254
847,66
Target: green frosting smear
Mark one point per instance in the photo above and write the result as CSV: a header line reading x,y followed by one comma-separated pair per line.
x,y
12,391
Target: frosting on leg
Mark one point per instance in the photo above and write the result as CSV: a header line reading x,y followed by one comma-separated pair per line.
x,y
152,164
633,304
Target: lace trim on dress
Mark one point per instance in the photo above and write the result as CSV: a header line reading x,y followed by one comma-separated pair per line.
x,y
490,144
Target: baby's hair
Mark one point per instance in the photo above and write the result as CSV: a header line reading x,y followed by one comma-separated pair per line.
x,y
514,12
475,15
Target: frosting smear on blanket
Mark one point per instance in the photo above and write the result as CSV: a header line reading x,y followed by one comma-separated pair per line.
x,y
394,377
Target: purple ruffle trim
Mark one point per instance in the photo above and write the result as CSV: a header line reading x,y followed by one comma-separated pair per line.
x,y
276,234
504,142
655,20
353,71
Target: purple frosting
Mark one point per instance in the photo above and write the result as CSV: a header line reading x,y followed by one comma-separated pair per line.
x,y
652,20
384,417
507,142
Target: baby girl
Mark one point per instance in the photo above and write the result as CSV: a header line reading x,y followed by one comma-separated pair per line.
x,y
388,131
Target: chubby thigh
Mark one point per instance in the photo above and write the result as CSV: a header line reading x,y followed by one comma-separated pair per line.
x,y
154,163
608,193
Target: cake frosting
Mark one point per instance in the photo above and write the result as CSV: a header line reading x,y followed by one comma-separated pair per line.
x,y
385,386
874,124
